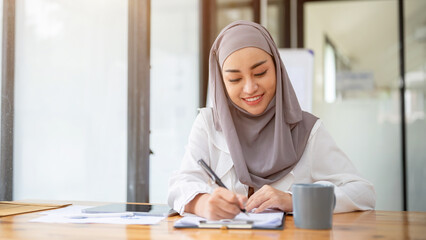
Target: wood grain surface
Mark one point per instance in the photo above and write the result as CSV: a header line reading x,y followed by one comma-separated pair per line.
x,y
355,225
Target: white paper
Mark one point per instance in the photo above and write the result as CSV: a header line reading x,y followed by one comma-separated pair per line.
x,y
72,209
62,215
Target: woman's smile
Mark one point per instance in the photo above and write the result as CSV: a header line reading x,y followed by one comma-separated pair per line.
x,y
253,100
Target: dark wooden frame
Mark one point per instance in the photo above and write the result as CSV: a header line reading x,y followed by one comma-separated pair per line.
x,y
207,35
7,100
256,10
402,103
138,101
284,5
300,23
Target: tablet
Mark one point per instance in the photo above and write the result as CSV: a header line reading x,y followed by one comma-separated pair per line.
x,y
138,209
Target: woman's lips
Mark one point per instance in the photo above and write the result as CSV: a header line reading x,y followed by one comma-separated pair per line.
x,y
253,100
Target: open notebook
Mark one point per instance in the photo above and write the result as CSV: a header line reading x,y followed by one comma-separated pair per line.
x,y
264,220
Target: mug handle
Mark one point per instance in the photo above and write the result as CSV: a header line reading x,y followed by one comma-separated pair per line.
x,y
334,202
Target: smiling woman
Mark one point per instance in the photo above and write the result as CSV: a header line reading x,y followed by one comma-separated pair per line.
x,y
256,137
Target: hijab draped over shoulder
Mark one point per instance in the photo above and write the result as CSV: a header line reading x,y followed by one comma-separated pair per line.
x,y
267,146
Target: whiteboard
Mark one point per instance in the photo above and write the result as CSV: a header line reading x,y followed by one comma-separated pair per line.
x,y
300,69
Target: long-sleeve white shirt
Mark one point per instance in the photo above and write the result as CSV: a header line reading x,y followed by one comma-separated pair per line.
x,y
321,162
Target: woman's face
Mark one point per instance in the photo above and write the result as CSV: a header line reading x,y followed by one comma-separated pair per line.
x,y
250,79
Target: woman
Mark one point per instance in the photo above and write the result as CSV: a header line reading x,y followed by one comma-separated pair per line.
x,y
257,139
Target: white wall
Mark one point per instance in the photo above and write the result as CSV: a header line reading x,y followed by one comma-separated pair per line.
x,y
71,100
174,87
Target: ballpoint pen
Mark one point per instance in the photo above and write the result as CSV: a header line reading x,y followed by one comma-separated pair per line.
x,y
214,177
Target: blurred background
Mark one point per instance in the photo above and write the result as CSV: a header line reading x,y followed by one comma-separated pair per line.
x,y
99,96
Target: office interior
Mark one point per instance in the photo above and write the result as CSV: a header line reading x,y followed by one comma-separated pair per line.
x,y
99,96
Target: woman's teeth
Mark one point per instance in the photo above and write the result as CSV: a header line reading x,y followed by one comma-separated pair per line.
x,y
252,99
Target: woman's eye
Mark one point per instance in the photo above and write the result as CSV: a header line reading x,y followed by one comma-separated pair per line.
x,y
235,80
260,74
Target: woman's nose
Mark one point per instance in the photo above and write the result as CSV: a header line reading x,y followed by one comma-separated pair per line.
x,y
250,86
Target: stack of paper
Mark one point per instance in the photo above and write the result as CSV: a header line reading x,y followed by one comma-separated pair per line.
x,y
73,214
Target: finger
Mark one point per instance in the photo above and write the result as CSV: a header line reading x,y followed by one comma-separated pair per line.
x,y
261,196
253,198
258,197
232,199
261,192
255,202
225,207
228,196
217,208
230,208
243,200
265,205
232,203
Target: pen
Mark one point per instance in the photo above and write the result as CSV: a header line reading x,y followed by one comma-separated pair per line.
x,y
214,177
100,215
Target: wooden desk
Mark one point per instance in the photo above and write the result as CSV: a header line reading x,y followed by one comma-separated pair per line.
x,y
356,225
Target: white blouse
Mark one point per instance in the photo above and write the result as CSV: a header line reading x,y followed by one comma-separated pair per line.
x,y
321,162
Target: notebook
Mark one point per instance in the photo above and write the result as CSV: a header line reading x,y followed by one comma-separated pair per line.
x,y
265,220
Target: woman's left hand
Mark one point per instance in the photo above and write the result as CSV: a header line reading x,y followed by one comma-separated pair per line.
x,y
269,197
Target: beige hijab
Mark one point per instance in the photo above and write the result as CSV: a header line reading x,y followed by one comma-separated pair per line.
x,y
264,147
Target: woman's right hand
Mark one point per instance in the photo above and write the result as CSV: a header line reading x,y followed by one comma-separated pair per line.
x,y
221,204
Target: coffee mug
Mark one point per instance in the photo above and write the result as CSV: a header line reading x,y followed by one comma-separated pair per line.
x,y
313,205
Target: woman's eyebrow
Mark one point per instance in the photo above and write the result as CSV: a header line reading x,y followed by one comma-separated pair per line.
x,y
258,64
252,67
232,70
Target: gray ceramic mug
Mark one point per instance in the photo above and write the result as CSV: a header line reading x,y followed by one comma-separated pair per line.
x,y
313,205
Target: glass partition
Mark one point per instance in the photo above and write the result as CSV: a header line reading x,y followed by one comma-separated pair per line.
x,y
415,101
356,91
275,20
232,10
174,87
70,121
